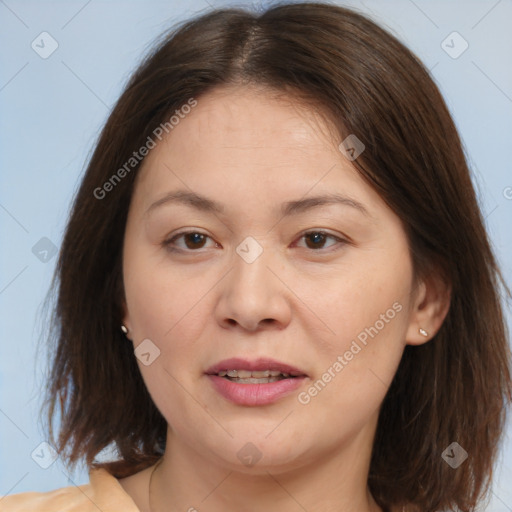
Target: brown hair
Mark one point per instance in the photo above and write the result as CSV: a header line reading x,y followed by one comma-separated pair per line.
x,y
453,388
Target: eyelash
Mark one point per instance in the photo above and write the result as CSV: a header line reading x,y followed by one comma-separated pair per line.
x,y
168,243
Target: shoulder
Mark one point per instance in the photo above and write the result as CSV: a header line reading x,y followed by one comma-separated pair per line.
x,y
103,492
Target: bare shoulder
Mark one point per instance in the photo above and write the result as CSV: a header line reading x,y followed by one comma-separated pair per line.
x,y
66,499
102,492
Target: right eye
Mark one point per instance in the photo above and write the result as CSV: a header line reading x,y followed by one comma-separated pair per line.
x,y
193,240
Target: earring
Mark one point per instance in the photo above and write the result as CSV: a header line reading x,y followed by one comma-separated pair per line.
x,y
423,332
124,329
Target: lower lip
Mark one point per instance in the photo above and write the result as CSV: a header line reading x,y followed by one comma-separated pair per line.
x,y
255,394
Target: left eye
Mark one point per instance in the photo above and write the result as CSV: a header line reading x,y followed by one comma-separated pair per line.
x,y
315,240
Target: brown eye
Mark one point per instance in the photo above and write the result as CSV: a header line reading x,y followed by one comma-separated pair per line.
x,y
192,240
316,239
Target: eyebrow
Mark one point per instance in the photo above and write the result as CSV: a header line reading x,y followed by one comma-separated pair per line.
x,y
288,208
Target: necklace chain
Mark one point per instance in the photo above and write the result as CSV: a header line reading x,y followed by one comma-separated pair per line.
x,y
150,481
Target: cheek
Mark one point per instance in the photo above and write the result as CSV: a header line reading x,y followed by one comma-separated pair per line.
x,y
368,316
162,298
353,377
366,300
169,309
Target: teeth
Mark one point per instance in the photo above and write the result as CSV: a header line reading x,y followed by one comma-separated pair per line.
x,y
251,380
246,374
241,374
257,375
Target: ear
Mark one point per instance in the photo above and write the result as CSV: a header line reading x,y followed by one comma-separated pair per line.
x,y
429,309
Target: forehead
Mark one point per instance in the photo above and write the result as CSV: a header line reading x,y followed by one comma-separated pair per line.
x,y
249,146
245,126
250,114
241,119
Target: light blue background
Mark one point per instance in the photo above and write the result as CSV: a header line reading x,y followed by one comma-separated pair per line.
x,y
51,111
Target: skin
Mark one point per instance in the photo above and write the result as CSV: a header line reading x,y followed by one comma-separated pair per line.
x,y
302,301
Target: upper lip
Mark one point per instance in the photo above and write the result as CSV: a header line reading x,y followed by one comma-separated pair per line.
x,y
261,364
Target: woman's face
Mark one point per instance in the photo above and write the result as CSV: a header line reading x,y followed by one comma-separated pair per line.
x,y
268,275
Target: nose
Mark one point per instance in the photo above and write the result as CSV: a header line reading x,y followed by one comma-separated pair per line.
x,y
254,295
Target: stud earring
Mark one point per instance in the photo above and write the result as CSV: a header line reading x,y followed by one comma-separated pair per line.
x,y
423,332
124,329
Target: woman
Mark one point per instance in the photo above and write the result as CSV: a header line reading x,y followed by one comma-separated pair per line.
x,y
275,290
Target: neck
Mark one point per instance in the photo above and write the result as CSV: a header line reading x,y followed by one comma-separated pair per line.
x,y
187,480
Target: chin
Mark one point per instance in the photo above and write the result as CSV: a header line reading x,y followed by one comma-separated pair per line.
x,y
258,454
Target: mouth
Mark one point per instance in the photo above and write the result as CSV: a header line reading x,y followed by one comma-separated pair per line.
x,y
254,377
260,371
258,382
